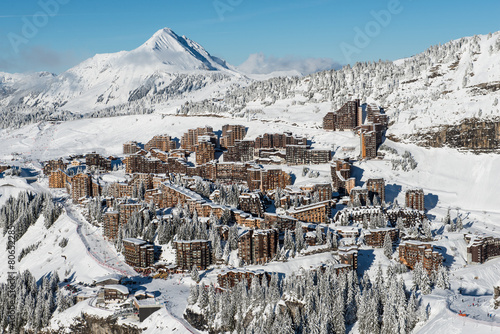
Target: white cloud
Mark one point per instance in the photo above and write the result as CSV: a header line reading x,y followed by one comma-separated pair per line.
x,y
37,58
258,63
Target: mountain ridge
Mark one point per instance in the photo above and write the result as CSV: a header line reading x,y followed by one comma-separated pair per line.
x,y
442,85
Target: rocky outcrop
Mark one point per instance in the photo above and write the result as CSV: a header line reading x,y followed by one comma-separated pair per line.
x,y
96,325
473,134
195,319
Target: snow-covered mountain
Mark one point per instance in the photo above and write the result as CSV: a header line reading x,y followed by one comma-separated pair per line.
x,y
427,96
444,85
116,78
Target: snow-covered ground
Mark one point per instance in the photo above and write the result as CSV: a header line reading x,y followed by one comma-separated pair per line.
x,y
450,179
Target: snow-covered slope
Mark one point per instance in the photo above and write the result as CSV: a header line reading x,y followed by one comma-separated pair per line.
x,y
443,85
115,78
440,86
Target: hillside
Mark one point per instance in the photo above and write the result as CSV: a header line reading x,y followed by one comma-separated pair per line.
x,y
446,85
164,64
443,110
427,96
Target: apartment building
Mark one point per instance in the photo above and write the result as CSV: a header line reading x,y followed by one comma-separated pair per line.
x,y
230,134
131,147
164,143
412,251
376,237
415,199
138,253
258,246
313,213
97,161
481,248
192,253
111,224
345,118
53,165
190,139
205,152
376,187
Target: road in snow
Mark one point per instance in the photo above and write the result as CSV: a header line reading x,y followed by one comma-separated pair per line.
x,y
96,246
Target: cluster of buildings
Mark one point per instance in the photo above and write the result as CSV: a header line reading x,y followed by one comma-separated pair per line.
x,y
154,166
369,121
253,175
276,148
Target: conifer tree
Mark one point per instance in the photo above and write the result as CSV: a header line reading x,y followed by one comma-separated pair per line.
x,y
388,245
195,275
299,237
319,235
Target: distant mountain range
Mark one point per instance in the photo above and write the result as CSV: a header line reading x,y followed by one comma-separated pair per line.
x,y
441,86
110,79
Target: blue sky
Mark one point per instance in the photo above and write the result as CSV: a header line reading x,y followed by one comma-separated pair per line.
x,y
235,29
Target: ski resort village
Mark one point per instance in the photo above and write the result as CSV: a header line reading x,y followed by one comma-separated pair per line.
x,y
162,190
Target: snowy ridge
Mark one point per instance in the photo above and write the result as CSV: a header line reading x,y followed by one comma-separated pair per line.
x,y
442,85
110,79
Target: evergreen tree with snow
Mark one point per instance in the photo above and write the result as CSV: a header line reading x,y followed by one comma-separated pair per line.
x,y
226,253
288,241
193,294
233,237
365,222
299,237
319,235
447,219
195,275
388,245
442,278
460,224
217,248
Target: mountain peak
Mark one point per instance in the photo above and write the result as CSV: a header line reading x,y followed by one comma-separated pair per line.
x,y
171,48
164,38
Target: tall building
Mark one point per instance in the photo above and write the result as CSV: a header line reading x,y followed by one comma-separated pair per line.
x,y
273,178
164,143
257,246
95,160
341,173
368,144
205,152
131,147
58,179
232,133
346,118
81,186
53,165
194,252
138,253
414,198
190,139
251,203
296,154
111,224
376,187
411,252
